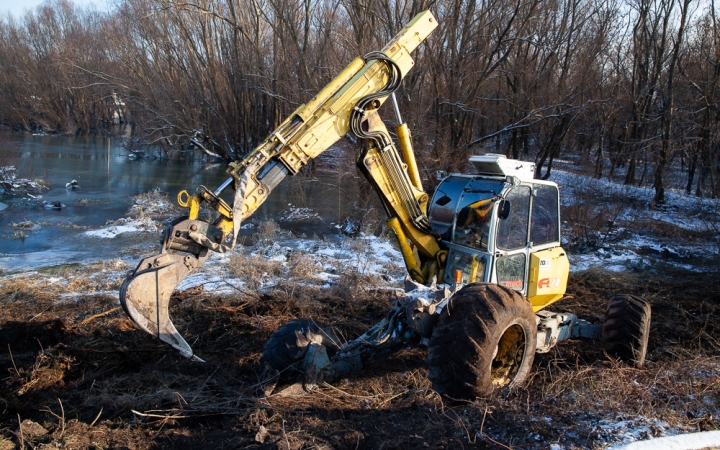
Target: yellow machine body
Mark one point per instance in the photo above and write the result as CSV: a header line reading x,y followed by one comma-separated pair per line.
x,y
547,277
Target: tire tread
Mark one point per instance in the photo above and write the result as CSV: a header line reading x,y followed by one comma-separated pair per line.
x,y
458,351
626,328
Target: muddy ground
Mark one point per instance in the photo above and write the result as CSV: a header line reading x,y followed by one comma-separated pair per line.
x,y
77,374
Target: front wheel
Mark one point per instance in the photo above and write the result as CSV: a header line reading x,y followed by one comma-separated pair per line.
x,y
485,339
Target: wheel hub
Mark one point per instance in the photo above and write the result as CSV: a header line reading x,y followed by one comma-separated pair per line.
x,y
508,356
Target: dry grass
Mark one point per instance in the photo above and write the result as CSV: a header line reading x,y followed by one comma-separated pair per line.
x,y
267,230
65,280
120,388
16,285
302,266
48,371
254,270
270,264
154,204
23,225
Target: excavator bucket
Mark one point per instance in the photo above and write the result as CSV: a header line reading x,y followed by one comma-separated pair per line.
x,y
145,296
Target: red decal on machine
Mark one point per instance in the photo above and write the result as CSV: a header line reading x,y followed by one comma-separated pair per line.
x,y
512,283
548,283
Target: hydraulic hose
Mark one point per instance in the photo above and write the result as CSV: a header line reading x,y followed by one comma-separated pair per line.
x,y
390,161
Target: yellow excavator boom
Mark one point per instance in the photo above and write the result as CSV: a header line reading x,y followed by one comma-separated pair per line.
x,y
348,104
317,125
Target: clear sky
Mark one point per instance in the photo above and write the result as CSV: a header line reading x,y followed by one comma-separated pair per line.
x,y
18,7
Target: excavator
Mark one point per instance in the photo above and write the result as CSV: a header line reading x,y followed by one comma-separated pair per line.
x,y
483,255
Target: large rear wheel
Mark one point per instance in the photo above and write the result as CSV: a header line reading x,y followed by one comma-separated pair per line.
x,y
626,328
484,339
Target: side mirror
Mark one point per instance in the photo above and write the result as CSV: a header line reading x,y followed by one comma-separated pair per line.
x,y
504,209
441,175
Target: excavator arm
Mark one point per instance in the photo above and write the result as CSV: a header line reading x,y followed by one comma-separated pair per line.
x,y
348,104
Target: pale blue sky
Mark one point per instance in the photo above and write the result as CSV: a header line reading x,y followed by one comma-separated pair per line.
x,y
18,7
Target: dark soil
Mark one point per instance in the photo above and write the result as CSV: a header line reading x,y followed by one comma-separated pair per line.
x,y
77,381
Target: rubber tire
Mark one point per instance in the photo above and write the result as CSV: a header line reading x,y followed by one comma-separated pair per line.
x,y
626,328
466,337
282,352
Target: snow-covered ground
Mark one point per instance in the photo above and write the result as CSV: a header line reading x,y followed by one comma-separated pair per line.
x,y
368,255
625,224
627,243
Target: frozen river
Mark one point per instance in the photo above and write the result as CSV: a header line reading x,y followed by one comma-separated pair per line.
x,y
108,181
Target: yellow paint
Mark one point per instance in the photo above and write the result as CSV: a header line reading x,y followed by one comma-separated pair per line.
x,y
191,202
548,277
426,244
183,194
403,134
411,262
474,266
225,225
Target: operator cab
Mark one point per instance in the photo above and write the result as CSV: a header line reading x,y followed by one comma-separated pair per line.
x,y
500,225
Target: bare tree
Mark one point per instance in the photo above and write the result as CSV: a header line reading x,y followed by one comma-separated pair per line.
x,y
528,78
668,105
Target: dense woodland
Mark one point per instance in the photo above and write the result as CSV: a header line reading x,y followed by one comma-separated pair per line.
x,y
629,86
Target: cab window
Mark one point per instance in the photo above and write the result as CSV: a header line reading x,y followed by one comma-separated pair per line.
x,y
513,231
442,206
511,271
472,223
544,222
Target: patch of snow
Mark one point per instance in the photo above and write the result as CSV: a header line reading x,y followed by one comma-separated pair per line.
x,y
274,252
11,184
612,260
621,249
154,203
324,276
85,294
295,214
690,441
369,256
124,226
624,429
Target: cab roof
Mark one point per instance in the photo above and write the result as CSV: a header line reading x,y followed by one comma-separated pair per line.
x,y
500,166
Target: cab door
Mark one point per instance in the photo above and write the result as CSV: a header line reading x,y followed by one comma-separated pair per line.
x,y
548,263
511,240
